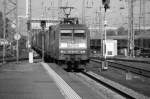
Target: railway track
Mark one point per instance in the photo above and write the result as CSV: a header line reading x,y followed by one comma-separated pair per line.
x,y
123,59
107,86
127,68
100,86
110,89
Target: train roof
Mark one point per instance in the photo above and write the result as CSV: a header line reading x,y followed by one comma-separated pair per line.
x,y
69,26
69,23
74,26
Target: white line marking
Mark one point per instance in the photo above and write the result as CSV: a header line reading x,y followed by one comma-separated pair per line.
x,y
68,92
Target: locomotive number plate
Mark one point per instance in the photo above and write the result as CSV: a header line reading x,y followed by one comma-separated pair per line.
x,y
70,45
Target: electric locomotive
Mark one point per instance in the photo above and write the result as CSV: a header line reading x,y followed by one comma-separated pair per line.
x,y
68,42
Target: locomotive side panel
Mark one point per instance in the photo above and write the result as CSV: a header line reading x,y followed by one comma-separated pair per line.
x,y
39,41
88,42
46,43
53,42
56,43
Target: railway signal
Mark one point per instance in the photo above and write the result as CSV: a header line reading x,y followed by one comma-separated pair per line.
x,y
43,24
106,4
104,62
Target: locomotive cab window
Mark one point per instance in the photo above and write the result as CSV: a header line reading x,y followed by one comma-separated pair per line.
x,y
79,33
66,33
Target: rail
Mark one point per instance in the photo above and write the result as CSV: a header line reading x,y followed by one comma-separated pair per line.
x,y
135,70
108,85
123,59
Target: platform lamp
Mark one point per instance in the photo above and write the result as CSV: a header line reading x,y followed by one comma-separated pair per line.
x,y
29,42
43,25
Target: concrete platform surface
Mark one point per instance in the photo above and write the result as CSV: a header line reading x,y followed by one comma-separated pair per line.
x,y
27,81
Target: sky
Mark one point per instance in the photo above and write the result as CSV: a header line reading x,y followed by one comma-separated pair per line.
x,y
115,16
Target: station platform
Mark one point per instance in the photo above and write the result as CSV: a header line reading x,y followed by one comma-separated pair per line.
x,y
27,81
41,80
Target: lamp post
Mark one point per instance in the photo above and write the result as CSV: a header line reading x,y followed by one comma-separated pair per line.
x,y
29,16
43,25
131,34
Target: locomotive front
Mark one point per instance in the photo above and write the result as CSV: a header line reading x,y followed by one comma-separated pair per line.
x,y
73,44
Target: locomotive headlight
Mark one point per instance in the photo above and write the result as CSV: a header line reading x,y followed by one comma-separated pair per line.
x,y
63,45
62,52
82,45
82,52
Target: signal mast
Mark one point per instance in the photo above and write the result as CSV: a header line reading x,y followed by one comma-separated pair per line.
x,y
106,6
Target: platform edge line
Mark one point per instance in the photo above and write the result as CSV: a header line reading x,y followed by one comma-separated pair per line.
x,y
62,85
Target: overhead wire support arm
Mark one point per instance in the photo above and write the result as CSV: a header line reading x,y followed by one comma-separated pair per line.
x,y
12,2
11,10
